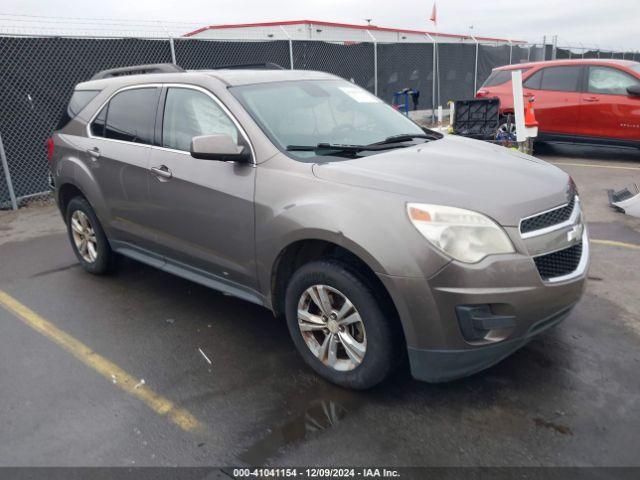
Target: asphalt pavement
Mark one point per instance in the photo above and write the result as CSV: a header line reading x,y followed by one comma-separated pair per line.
x,y
141,368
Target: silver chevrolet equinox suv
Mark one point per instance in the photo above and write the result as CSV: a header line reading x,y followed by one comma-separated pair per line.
x,y
375,238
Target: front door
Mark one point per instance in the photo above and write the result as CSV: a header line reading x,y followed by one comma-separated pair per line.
x,y
608,111
201,210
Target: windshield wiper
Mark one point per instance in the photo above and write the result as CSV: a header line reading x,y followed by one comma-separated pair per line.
x,y
333,148
405,137
325,146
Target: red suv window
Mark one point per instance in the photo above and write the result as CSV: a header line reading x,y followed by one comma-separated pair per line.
x,y
607,80
498,77
561,79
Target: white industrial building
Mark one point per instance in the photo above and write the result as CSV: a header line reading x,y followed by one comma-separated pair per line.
x,y
333,32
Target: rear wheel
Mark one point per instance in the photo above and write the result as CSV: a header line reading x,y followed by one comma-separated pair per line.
x,y
506,128
339,327
87,237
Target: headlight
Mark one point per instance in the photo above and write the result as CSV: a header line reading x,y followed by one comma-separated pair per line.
x,y
461,234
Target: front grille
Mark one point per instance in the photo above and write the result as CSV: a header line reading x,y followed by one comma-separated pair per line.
x,y
548,219
559,263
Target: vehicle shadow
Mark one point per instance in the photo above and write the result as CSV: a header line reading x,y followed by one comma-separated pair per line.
x,y
587,152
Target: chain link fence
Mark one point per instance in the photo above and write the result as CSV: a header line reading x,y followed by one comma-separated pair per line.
x,y
37,77
38,74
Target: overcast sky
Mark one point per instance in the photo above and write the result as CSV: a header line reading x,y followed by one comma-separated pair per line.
x,y
611,24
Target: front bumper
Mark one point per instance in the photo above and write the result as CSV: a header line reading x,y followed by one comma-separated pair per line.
x,y
509,284
431,365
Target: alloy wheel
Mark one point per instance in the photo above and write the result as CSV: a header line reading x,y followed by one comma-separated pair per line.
x,y
84,237
332,327
508,128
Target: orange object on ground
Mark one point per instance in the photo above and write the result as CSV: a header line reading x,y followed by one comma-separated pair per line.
x,y
529,114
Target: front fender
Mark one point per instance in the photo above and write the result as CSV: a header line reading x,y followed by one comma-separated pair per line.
x,y
373,225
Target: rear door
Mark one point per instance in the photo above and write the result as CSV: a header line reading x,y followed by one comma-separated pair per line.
x,y
117,154
557,98
201,210
607,109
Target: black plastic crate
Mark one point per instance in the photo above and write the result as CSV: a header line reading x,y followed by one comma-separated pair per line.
x,y
478,118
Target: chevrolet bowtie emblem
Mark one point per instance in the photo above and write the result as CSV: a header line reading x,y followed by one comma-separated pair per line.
x,y
575,233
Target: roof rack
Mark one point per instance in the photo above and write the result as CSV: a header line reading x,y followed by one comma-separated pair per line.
x,y
137,70
252,66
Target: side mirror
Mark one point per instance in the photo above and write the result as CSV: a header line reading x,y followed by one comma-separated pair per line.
x,y
219,147
634,90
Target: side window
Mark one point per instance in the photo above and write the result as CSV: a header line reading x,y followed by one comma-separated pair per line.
x,y
534,81
561,79
189,113
498,77
131,115
79,100
97,126
609,81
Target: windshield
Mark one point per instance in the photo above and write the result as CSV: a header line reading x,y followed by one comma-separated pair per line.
x,y
313,112
636,68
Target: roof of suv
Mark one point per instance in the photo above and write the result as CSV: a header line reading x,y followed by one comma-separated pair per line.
x,y
576,61
230,77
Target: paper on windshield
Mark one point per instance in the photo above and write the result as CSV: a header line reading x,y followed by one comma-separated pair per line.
x,y
360,95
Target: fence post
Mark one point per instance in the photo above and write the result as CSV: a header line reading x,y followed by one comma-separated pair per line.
x,y
510,52
7,176
290,46
475,70
291,53
528,52
375,63
433,77
173,51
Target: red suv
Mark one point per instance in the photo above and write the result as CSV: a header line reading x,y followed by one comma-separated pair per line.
x,y
589,101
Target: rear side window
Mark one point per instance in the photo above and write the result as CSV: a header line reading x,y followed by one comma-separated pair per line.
x,y
607,80
533,81
79,100
498,77
131,115
561,79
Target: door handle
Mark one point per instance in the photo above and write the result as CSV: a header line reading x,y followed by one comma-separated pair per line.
x,y
590,99
162,171
94,152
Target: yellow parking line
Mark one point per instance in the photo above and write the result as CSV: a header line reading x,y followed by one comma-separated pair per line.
x,y
595,165
104,367
613,243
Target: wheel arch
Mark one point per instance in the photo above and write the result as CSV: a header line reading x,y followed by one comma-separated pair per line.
x,y
303,251
65,193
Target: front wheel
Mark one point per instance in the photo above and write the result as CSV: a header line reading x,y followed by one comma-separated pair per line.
x,y
340,327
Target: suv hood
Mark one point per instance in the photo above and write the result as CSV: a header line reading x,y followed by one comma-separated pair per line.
x,y
455,171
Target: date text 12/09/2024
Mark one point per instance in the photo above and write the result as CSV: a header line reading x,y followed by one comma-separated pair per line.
x,y
318,473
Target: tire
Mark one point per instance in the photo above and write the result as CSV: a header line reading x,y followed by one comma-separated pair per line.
x,y
378,329
80,211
